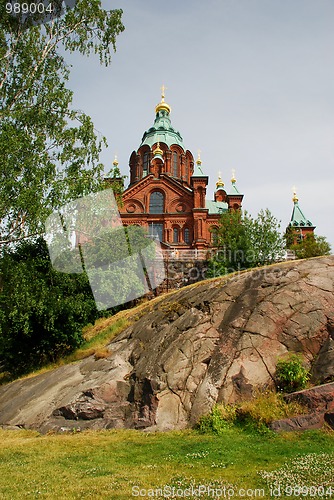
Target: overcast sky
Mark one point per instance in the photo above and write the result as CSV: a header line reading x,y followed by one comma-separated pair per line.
x,y
250,84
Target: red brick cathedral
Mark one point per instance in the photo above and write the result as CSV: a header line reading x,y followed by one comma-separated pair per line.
x,y
167,190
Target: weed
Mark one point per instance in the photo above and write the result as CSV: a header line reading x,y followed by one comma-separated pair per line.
x,y
256,414
291,375
218,420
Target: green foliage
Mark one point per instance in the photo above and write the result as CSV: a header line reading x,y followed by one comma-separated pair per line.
x,y
291,375
49,152
311,246
217,421
255,414
42,311
244,242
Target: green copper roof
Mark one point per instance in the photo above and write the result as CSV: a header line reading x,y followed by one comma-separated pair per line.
x,y
298,219
216,207
162,131
234,189
198,171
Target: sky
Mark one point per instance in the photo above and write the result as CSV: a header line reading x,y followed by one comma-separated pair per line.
x,y
250,84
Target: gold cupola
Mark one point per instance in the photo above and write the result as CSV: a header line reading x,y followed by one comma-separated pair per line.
x,y
219,183
158,151
162,104
115,162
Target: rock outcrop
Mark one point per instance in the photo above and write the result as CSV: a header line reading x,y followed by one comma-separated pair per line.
x,y
318,401
213,342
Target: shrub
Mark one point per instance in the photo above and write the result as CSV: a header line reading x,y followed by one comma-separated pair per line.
x,y
291,375
218,420
255,414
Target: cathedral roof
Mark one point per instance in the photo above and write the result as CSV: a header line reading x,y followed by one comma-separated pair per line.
x,y
233,189
198,170
298,218
216,207
162,130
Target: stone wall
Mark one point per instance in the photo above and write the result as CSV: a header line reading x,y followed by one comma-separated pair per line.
x,y
182,272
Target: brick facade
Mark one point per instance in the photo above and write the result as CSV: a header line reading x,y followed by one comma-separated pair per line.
x,y
167,190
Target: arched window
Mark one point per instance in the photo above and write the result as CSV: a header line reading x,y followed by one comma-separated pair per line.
x,y
156,203
186,235
146,161
187,170
175,235
175,164
214,235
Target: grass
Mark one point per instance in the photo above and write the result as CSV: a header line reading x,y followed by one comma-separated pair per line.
x,y
108,464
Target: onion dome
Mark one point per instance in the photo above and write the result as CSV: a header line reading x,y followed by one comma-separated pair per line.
x,y
162,104
162,130
158,151
219,183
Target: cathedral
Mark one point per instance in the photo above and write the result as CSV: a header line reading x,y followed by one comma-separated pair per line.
x,y
167,191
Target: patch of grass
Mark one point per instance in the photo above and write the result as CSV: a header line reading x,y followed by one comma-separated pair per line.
x,y
108,464
256,413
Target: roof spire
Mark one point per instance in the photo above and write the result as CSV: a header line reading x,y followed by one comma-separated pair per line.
x,y
199,161
233,179
219,183
162,104
115,162
295,198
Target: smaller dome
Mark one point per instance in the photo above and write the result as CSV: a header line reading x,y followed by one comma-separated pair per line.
x,y
162,104
219,183
295,197
115,162
158,151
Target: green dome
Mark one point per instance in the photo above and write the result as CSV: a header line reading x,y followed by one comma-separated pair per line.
x,y
162,131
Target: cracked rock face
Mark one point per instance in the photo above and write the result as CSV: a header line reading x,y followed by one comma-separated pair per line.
x,y
215,342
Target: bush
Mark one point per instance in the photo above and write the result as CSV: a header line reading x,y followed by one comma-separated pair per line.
x,y
218,420
291,375
255,414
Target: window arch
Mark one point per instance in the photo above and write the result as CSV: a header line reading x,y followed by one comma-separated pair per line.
x,y
214,235
186,235
146,161
175,235
175,164
156,203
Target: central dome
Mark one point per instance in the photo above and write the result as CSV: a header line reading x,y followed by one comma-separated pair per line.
x,y
162,130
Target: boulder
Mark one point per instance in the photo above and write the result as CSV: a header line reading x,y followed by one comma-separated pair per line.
x,y
300,423
316,399
216,341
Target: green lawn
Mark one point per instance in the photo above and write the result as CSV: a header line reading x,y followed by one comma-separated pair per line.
x,y
113,464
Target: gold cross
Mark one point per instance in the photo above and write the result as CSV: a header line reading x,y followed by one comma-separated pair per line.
x,y
163,88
